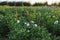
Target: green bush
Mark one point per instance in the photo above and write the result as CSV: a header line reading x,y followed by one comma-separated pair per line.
x,y
3,26
23,33
22,28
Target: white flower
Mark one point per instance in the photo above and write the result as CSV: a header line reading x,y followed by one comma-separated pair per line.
x,y
18,21
28,31
32,21
56,22
27,24
35,25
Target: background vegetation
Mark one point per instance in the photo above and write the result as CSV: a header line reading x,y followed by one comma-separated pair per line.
x,y
28,4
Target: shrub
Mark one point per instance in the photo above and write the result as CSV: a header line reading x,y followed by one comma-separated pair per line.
x,y
3,26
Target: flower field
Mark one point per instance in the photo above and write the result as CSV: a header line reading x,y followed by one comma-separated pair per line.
x,y
30,23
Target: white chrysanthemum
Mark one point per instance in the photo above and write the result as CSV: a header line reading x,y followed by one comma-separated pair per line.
x,y
28,31
56,22
35,25
18,21
32,21
27,24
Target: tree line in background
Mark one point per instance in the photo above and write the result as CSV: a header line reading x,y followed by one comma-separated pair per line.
x,y
27,4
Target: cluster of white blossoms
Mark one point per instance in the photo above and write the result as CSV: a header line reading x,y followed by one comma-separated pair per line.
x,y
56,22
28,24
34,24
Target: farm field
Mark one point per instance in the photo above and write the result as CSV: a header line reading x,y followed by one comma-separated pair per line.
x,y
30,23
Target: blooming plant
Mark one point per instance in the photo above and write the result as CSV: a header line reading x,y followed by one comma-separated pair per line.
x,y
42,23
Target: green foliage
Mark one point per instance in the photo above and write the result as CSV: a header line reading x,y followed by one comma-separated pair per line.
x,y
45,25
3,26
